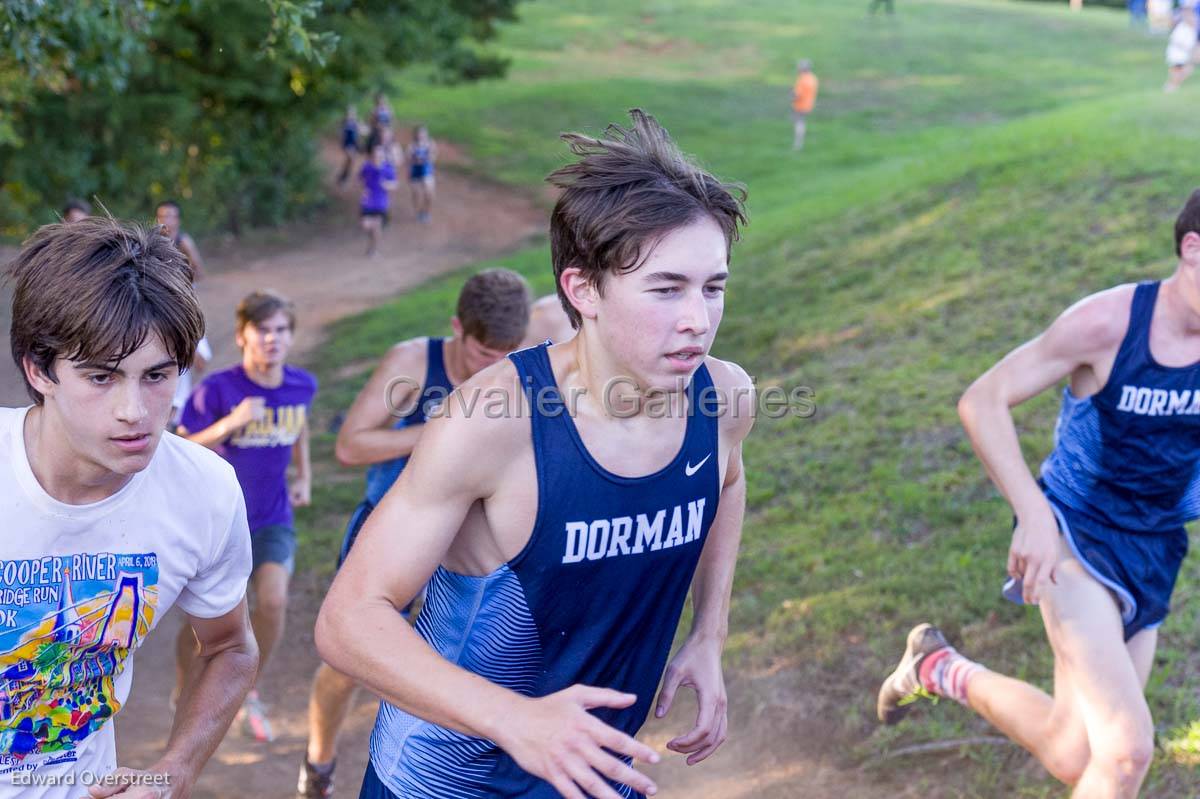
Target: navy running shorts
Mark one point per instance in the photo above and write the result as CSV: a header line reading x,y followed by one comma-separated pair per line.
x,y
1139,568
357,519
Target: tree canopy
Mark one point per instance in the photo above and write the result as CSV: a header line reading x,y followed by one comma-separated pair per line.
x,y
216,103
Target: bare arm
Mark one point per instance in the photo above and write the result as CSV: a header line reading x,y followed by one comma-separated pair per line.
x,y
300,491
698,662
1082,339
188,247
360,631
217,433
367,435
227,663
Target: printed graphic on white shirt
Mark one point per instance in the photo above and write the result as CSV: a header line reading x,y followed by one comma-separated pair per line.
x,y
68,624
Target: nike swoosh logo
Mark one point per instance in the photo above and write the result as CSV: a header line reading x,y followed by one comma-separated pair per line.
x,y
689,469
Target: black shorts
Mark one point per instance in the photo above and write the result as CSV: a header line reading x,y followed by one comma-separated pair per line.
x,y
383,215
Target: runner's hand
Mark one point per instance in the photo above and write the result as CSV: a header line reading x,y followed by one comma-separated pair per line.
x,y
557,739
300,492
128,783
697,665
250,409
1033,556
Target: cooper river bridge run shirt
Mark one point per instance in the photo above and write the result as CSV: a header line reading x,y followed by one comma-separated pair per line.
x,y
80,588
594,597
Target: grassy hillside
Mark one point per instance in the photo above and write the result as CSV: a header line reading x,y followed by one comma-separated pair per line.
x,y
971,170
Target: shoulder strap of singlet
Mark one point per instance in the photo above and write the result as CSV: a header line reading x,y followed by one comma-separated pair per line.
x,y
537,377
1141,312
1136,344
704,406
435,364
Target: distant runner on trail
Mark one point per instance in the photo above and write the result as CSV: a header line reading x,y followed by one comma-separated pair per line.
x,y
349,143
804,99
378,176
1099,539
168,216
422,154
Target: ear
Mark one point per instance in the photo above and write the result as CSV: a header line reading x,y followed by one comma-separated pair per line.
x,y
1189,248
42,382
457,327
239,339
580,291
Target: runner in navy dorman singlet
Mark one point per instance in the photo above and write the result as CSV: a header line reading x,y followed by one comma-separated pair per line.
x,y
594,597
1129,455
380,476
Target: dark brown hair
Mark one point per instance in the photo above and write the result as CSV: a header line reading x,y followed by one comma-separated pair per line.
x,y
493,308
1188,221
259,306
627,190
94,290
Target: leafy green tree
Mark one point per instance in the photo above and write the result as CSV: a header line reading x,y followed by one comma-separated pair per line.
x,y
216,103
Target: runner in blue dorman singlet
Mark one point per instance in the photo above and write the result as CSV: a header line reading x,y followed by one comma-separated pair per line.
x,y
593,598
380,476
1124,475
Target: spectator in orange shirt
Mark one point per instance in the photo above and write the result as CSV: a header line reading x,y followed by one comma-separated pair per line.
x,y
804,97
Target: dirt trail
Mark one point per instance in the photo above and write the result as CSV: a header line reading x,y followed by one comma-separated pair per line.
x,y
777,748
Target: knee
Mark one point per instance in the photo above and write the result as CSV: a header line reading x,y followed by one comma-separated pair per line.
x,y
1127,755
271,601
1068,763
1131,756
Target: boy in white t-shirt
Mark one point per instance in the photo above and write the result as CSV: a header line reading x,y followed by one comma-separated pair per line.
x,y
109,521
1180,50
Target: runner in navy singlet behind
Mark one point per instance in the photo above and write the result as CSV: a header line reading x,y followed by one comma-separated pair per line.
x,y
1099,539
382,428
422,154
561,510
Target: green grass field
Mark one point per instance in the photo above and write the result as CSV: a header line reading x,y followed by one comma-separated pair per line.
x,y
971,170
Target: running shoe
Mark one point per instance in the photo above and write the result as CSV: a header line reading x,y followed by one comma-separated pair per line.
x,y
903,686
254,719
313,783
